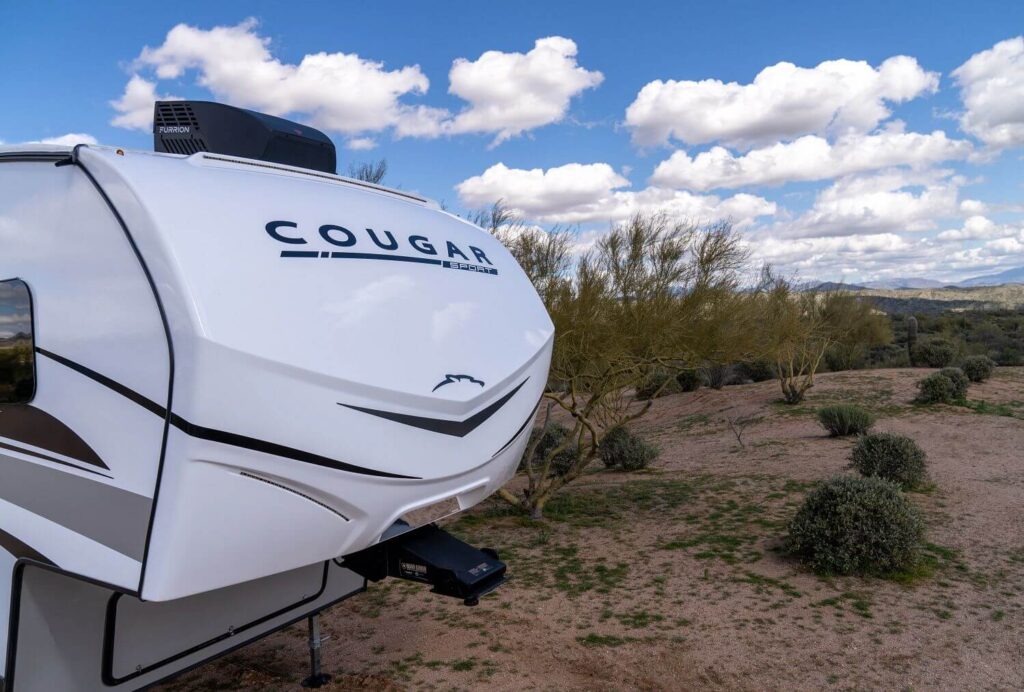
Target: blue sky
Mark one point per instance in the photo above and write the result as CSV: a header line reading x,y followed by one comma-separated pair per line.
x,y
857,170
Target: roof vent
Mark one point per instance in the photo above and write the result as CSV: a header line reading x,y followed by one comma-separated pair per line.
x,y
187,127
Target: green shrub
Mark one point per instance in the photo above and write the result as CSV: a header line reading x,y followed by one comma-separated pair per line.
x,y
846,357
552,437
959,380
888,356
610,446
656,384
978,368
935,389
688,381
621,448
936,353
845,419
895,458
757,371
716,375
857,526
1010,356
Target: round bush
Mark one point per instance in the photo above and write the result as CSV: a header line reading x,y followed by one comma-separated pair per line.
x,y
621,448
895,458
937,353
845,419
935,389
856,526
978,368
959,380
716,375
656,384
757,371
688,380
553,436
846,357
612,442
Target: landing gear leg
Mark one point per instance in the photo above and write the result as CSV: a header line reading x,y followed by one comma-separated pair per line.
x,y
316,677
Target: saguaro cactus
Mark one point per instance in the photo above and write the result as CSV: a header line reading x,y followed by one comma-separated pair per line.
x,y
911,338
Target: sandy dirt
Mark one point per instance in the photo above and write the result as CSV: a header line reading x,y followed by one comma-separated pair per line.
x,y
673,578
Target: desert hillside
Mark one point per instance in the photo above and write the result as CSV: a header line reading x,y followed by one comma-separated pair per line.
x,y
936,300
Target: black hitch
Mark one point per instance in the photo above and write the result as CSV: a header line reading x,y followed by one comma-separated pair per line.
x,y
431,555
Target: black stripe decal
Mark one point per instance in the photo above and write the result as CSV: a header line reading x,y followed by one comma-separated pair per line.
x,y
19,450
19,549
454,428
358,255
521,429
221,436
127,393
256,445
446,263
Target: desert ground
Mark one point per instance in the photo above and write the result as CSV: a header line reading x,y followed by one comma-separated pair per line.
x,y
673,578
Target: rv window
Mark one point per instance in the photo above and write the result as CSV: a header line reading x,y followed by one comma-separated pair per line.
x,y
17,354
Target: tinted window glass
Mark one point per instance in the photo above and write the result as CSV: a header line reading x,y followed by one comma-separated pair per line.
x,y
17,356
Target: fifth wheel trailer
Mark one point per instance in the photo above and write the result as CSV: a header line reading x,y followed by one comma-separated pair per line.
x,y
233,387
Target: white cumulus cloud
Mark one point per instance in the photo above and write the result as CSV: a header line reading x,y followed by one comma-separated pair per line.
x,y
861,258
889,202
1012,247
578,193
338,91
509,93
16,318
506,93
992,90
988,257
973,207
783,101
810,157
806,253
858,258
135,107
539,193
981,228
361,144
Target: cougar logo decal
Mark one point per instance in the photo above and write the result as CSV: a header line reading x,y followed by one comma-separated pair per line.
x,y
452,379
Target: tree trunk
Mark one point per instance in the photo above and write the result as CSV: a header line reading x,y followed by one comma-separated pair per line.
x,y
792,392
537,503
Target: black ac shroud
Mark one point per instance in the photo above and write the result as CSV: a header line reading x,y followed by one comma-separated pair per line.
x,y
188,127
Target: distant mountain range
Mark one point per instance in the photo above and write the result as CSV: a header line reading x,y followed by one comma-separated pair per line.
x,y
832,286
20,336
908,282
1010,276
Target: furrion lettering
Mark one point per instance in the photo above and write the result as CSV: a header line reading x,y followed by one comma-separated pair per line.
x,y
338,242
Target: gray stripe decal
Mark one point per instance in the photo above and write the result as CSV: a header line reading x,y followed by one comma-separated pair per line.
x,y
114,517
37,455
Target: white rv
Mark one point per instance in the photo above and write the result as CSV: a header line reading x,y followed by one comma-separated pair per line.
x,y
233,389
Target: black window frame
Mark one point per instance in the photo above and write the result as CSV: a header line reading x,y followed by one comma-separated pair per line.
x,y
32,343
